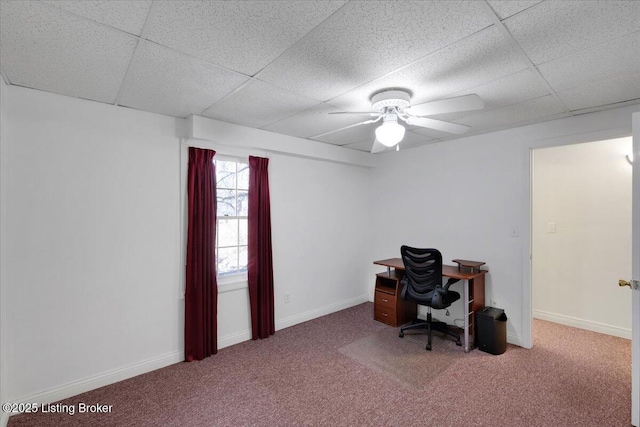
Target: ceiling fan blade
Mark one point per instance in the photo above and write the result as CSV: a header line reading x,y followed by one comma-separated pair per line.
x,y
346,127
450,105
377,146
361,113
440,125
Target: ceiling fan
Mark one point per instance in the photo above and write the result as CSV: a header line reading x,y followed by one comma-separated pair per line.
x,y
390,106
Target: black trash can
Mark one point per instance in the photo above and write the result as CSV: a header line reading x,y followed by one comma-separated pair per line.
x,y
492,330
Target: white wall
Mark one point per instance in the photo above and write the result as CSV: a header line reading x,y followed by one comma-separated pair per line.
x,y
92,245
462,199
585,191
319,225
466,196
94,260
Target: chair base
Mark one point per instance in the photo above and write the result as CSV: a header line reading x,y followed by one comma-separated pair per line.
x,y
431,325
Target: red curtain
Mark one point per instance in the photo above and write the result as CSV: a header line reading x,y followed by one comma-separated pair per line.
x,y
201,296
260,268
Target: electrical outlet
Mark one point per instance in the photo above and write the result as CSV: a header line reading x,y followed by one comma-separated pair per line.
x,y
287,298
494,303
514,231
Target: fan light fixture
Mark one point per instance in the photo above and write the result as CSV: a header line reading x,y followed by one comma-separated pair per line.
x,y
392,105
390,132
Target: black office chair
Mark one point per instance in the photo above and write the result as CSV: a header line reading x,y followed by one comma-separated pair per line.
x,y
422,284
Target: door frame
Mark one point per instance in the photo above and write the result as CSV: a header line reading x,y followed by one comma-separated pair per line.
x,y
635,274
527,211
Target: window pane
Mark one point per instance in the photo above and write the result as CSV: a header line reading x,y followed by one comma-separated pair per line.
x,y
243,203
226,202
227,261
242,238
243,176
226,174
231,235
242,258
227,232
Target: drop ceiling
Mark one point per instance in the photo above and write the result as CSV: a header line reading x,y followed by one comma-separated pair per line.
x,y
282,66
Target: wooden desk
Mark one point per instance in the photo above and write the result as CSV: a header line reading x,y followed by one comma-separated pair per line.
x,y
390,308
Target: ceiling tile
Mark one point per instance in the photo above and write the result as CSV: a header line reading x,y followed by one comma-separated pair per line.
x,y
413,139
432,134
364,145
616,57
507,8
48,49
476,60
512,89
258,104
128,16
367,133
240,35
314,121
554,29
410,139
354,134
167,82
602,92
365,40
515,114
324,56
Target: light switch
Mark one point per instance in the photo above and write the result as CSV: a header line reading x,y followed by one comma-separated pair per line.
x,y
551,227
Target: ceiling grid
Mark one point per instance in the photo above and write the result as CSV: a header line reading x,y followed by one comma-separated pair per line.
x,y
284,65
516,48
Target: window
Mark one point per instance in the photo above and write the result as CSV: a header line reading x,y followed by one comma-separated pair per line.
x,y
232,188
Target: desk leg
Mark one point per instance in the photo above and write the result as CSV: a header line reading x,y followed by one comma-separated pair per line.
x,y
465,287
476,304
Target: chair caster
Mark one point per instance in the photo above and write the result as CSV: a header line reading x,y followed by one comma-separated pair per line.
x,y
458,343
401,334
428,347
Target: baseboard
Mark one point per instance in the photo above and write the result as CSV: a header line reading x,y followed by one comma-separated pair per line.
x,y
242,336
97,381
588,325
514,339
234,339
318,312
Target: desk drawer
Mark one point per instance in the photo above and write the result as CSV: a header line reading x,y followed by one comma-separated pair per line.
x,y
383,299
385,315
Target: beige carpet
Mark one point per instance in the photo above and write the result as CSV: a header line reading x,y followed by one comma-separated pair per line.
x,y
405,359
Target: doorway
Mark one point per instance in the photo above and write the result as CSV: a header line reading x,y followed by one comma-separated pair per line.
x,y
581,235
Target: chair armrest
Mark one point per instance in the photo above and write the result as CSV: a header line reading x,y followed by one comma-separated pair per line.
x,y
450,282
